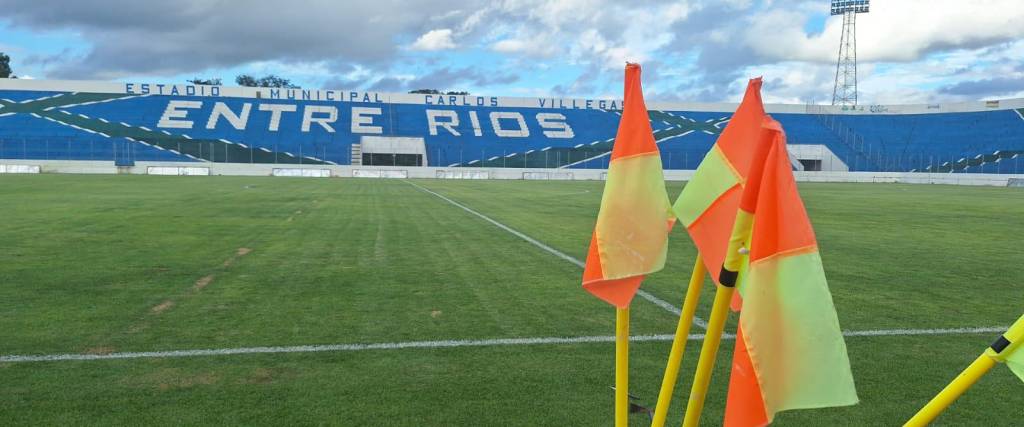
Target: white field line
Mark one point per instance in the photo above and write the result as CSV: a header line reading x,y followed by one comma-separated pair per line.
x,y
643,294
446,344
1018,113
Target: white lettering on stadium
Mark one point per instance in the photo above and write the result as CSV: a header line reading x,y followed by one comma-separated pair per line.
x,y
364,120
147,89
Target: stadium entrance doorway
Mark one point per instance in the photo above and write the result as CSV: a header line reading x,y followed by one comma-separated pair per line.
x,y
389,151
815,158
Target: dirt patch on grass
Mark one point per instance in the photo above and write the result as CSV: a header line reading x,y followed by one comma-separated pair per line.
x,y
241,252
260,376
136,328
263,375
100,350
292,216
162,307
207,378
435,314
203,282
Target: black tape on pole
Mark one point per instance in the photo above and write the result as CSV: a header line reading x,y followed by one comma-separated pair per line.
x,y
1000,344
728,278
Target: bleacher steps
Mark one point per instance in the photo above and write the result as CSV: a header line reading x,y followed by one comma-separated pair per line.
x,y
357,155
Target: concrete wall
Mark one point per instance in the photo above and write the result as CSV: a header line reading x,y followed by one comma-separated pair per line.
x,y
245,169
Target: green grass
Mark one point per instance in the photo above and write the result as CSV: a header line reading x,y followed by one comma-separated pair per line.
x,y
111,263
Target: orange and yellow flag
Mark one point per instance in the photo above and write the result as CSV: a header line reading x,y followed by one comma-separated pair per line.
x,y
790,352
707,206
630,238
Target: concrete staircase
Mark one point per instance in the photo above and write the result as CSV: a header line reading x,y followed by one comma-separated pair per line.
x,y
357,154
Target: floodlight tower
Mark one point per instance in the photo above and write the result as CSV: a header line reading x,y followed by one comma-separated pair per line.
x,y
845,90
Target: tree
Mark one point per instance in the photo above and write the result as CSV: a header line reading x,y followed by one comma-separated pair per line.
x,y
456,92
207,82
269,80
276,81
5,66
246,80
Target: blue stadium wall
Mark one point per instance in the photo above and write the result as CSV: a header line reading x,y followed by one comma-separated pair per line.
x,y
128,122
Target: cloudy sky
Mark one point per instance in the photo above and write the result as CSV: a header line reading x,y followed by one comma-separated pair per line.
x,y
910,51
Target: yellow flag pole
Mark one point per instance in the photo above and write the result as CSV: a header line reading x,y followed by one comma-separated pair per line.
x,y
948,395
719,313
708,353
997,352
621,367
675,357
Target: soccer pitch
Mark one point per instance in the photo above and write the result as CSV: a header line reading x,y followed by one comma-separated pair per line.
x,y
427,302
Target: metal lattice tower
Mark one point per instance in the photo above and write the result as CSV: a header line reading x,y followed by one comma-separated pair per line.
x,y
845,90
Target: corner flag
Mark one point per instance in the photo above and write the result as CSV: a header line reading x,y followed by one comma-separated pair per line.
x,y
630,238
790,352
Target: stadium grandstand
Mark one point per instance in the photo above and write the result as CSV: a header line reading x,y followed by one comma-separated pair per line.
x,y
128,122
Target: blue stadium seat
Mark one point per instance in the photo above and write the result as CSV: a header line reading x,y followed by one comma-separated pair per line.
x,y
89,126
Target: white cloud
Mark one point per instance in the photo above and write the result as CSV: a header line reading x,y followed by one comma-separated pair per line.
x,y
894,31
531,45
291,69
591,32
910,50
509,46
188,36
905,30
917,82
434,40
